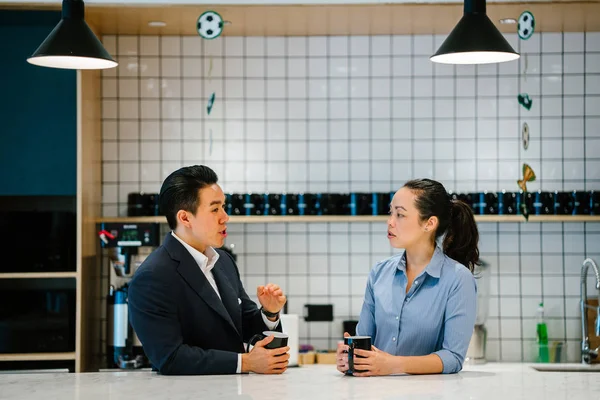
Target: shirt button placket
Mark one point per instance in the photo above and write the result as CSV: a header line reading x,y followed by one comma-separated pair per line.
x,y
397,327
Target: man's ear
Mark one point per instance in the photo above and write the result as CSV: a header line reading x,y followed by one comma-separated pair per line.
x,y
183,218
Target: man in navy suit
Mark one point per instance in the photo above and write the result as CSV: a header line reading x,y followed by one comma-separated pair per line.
x,y
186,301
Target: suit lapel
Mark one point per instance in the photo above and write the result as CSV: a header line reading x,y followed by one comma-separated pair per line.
x,y
191,273
228,295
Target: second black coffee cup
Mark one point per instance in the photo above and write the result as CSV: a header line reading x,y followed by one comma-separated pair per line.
x,y
280,339
356,342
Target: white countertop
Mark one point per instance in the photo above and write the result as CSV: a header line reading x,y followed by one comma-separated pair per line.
x,y
487,382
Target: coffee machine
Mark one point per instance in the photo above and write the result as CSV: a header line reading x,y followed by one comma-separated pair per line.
x,y
476,353
126,245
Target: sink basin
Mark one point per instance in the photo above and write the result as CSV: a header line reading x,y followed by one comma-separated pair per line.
x,y
566,367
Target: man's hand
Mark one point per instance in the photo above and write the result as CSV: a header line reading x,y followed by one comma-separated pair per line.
x,y
342,356
266,361
271,297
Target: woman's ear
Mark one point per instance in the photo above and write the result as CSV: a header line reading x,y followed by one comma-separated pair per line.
x,y
431,224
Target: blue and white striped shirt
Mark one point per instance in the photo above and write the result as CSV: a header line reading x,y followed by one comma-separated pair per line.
x,y
436,316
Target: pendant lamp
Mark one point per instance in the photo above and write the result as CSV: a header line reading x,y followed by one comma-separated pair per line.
x,y
474,40
72,44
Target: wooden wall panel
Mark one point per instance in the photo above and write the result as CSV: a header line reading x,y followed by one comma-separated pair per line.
x,y
340,20
298,20
89,192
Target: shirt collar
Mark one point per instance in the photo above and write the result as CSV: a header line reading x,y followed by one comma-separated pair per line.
x,y
206,261
433,269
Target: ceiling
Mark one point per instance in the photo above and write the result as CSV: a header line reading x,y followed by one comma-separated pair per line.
x,y
295,20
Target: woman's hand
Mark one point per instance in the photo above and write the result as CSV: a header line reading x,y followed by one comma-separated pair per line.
x,y
373,363
342,356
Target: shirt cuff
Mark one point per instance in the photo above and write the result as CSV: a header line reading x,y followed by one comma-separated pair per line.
x,y
239,366
270,324
451,364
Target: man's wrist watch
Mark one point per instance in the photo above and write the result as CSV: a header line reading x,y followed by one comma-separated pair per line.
x,y
269,314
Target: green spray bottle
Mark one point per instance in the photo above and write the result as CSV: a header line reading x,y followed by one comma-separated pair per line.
x,y
542,336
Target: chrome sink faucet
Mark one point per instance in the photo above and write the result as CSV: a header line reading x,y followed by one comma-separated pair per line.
x,y
588,354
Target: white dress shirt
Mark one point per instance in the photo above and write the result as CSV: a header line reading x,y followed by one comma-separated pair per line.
x,y
207,262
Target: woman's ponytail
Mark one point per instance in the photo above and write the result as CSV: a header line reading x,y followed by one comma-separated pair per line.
x,y
462,236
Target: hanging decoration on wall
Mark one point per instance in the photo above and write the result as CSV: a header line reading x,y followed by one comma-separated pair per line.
x,y
210,67
526,25
210,25
525,135
528,176
525,101
211,101
525,29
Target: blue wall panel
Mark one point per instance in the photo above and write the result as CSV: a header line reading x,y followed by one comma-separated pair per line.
x,y
38,129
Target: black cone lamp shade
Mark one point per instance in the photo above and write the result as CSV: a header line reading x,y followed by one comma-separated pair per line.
x,y
72,44
474,40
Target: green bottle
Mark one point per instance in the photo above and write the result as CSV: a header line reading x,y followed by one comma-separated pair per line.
x,y
542,336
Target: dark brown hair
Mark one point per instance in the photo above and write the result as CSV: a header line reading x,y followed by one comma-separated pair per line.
x,y
455,218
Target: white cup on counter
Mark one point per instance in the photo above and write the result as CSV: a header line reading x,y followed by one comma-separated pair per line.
x,y
290,327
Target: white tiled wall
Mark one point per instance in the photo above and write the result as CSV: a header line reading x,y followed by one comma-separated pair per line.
x,y
329,263
364,113
530,263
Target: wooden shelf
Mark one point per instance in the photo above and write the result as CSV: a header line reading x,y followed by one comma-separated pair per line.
x,y
539,218
38,356
133,220
37,275
239,219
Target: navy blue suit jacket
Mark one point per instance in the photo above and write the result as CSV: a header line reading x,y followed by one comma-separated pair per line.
x,y
184,327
